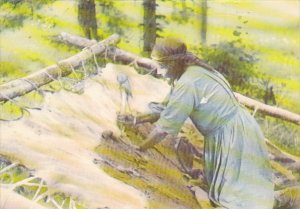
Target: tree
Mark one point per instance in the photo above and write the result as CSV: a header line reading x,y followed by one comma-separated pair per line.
x,y
113,19
149,25
181,13
203,21
87,18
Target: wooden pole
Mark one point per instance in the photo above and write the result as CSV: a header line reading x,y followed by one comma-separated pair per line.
x,y
63,68
113,53
275,112
124,57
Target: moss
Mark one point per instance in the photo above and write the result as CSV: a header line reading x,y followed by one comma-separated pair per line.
x,y
10,111
33,100
9,69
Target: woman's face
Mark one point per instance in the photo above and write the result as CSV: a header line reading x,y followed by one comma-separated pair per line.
x,y
166,69
163,70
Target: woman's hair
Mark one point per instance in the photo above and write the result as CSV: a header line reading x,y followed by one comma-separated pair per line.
x,y
174,50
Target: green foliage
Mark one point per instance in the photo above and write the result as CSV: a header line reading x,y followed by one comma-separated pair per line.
x,y
17,108
9,70
181,13
15,12
239,65
32,100
284,134
10,111
111,18
232,60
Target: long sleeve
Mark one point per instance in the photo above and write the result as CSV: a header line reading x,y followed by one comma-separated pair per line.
x,y
179,107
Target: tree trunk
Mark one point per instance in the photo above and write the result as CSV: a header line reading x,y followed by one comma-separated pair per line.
x,y
203,21
184,8
87,18
25,85
149,25
275,112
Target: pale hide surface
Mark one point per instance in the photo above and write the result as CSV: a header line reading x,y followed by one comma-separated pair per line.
x,y
58,141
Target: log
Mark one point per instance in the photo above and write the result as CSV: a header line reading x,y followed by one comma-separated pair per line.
x,y
119,55
273,111
113,53
44,76
281,152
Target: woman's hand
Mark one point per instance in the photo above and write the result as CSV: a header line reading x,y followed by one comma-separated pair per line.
x,y
126,119
153,138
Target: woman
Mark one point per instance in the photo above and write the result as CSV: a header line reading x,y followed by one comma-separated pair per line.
x,y
236,168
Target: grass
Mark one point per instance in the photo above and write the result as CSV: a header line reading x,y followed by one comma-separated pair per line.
x,y
283,134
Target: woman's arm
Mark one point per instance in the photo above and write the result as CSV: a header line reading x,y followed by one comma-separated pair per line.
x,y
134,120
151,117
156,136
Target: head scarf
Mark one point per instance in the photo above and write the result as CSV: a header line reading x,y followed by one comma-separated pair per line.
x,y
172,49
168,49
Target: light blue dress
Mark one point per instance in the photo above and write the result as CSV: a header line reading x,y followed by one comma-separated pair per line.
x,y
237,168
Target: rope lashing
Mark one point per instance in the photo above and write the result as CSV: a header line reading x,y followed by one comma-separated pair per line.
x,y
106,45
31,83
134,63
51,77
73,70
36,88
60,71
8,98
84,69
98,68
59,76
96,63
254,111
151,71
115,55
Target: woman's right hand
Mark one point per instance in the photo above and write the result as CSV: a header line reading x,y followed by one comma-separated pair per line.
x,y
126,119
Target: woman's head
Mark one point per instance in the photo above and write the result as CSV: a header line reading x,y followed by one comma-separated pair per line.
x,y
168,52
172,54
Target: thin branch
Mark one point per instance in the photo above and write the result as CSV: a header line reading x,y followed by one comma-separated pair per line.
x,y
38,190
8,167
